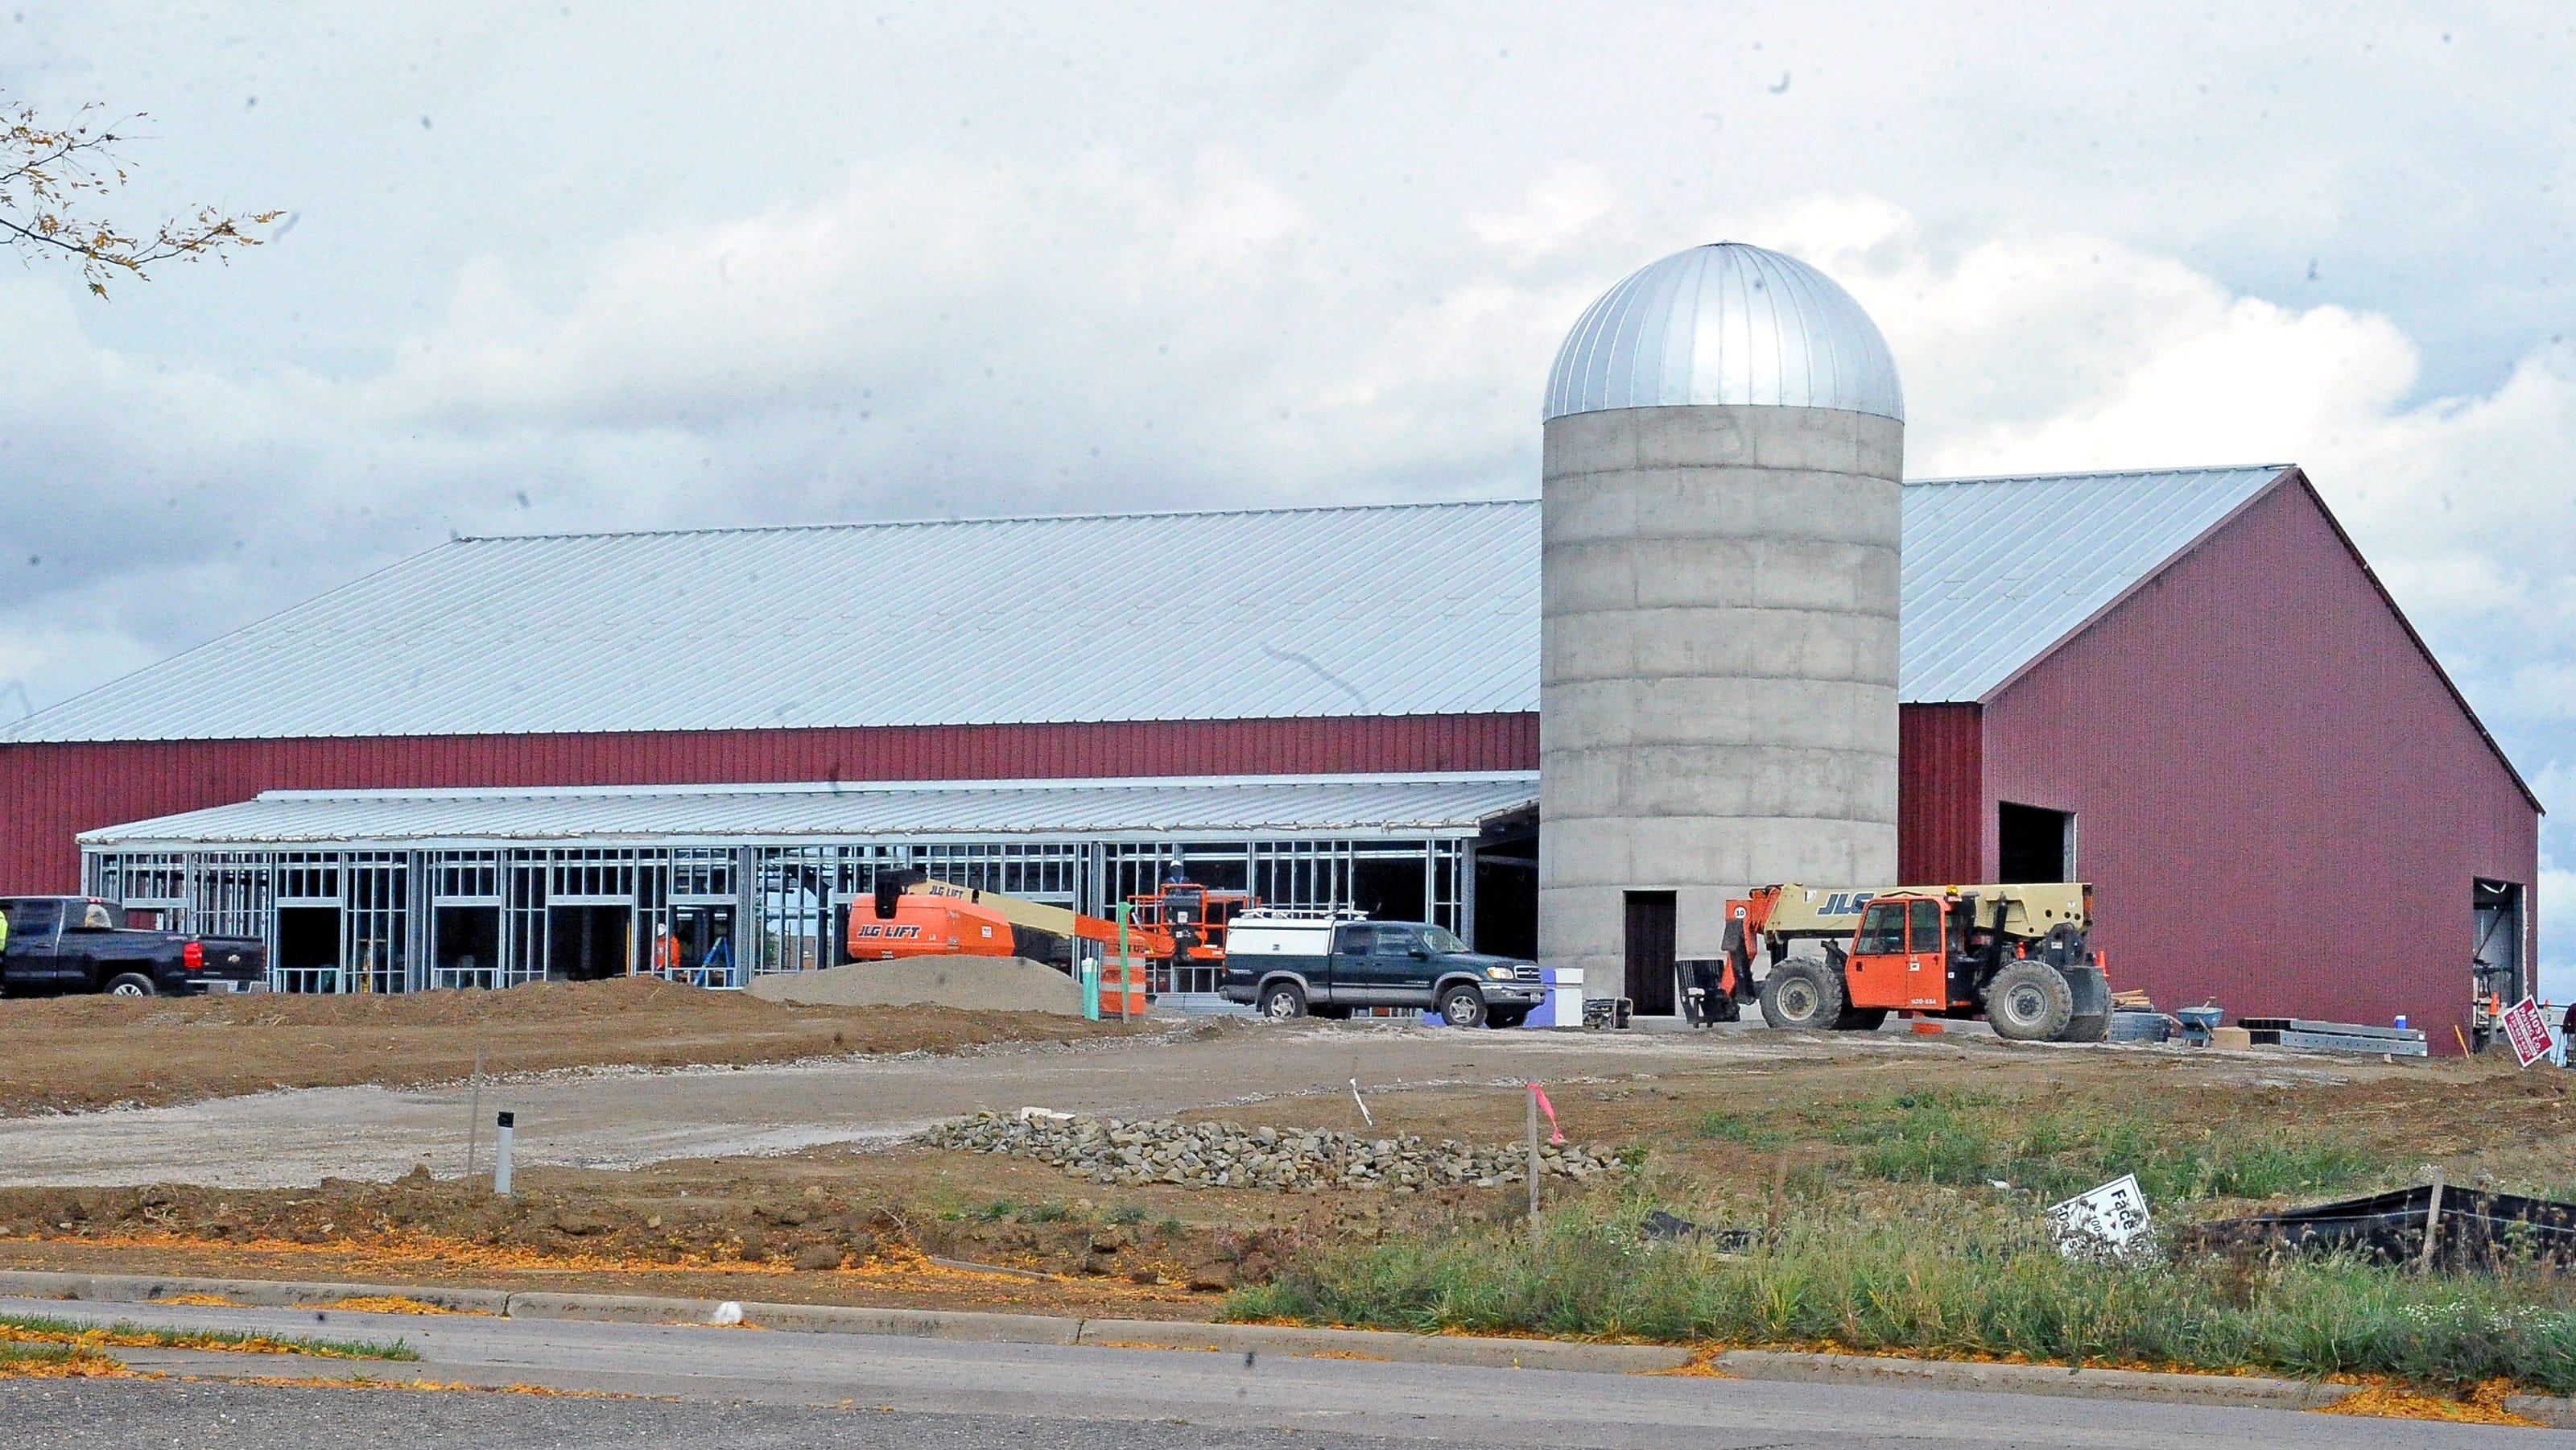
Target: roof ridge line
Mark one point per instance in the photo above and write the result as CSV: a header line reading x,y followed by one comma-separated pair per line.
x,y
919,523
2197,468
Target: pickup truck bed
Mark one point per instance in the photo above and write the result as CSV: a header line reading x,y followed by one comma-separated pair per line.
x,y
73,944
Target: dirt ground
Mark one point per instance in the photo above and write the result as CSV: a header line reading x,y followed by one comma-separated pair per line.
x,y
66,1054
867,1225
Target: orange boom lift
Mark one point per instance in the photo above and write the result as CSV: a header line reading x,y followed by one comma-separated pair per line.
x,y
916,916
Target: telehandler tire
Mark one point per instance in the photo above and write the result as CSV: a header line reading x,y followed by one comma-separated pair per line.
x,y
1802,996
1860,1019
2029,1002
2087,1027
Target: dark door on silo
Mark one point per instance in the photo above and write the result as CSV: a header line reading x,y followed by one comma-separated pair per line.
x,y
1650,953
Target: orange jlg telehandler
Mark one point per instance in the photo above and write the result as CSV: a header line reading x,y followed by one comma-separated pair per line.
x,y
2018,955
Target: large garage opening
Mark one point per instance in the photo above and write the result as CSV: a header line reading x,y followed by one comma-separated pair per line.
x,y
587,943
2032,843
1651,917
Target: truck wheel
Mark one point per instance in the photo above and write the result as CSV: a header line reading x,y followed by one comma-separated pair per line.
x,y
2029,1002
131,984
1802,995
1507,1016
1463,1006
1281,1001
1860,1019
2087,1027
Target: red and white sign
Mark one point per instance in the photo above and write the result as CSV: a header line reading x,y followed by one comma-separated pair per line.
x,y
2528,1029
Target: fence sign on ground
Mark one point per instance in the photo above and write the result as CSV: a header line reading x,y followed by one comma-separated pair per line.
x,y
2528,1029
2110,1219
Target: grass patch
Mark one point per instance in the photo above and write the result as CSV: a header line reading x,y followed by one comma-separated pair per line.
x,y
1949,1282
1965,1139
1718,1125
33,1331
19,1358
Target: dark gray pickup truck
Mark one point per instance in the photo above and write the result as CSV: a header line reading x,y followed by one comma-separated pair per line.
x,y
73,944
1289,966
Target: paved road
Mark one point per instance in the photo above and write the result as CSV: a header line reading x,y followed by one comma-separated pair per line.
x,y
625,1118
737,1387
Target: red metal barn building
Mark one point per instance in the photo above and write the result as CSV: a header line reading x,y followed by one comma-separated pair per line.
x,y
2183,686
2189,689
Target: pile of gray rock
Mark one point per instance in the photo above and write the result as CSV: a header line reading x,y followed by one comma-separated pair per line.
x,y
1231,1155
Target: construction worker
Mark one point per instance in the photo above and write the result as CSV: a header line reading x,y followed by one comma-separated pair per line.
x,y
2566,1028
4,933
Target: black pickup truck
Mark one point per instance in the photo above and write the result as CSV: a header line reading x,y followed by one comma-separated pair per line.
x,y
73,944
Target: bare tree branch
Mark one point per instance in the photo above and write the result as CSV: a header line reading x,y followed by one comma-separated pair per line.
x,y
55,184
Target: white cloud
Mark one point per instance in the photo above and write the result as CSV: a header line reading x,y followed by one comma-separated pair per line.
x,y
973,262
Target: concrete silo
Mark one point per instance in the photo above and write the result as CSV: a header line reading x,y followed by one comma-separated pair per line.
x,y
1725,437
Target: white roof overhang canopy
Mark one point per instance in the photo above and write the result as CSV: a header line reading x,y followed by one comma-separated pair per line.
x,y
1419,806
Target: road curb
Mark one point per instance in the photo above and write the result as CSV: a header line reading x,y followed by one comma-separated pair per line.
x,y
263,1293
2241,1391
2212,1390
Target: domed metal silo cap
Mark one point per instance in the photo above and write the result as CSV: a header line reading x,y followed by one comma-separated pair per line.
x,y
1723,324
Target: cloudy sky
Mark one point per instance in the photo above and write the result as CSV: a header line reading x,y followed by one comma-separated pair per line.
x,y
589,266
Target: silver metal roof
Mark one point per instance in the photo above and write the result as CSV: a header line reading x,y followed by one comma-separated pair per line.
x,y
1405,609
1997,571
1725,323
1238,806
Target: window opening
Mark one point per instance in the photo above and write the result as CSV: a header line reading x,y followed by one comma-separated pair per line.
x,y
1882,929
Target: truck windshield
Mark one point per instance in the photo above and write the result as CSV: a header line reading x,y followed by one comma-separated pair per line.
x,y
1441,942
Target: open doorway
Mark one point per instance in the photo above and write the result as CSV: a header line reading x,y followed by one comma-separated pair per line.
x,y
1506,884
308,948
2033,843
466,950
700,946
2496,960
585,943
1651,917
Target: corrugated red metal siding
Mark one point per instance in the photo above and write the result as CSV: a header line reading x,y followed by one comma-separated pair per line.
x,y
2279,801
51,793
1939,792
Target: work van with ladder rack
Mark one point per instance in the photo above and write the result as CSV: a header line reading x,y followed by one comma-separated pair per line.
x,y
1322,962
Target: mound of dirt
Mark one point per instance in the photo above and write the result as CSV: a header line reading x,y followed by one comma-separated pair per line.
x,y
70,1053
975,984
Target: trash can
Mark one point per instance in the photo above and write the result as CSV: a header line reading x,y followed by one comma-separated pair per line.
x,y
1564,1004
